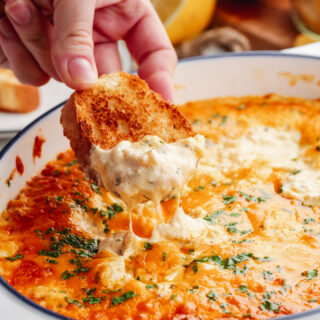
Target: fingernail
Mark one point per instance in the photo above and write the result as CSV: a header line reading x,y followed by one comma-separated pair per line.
x,y
19,12
6,30
80,70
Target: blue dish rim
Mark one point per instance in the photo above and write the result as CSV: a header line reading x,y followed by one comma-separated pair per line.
x,y
186,60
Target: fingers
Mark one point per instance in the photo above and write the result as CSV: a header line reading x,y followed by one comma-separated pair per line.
x,y
33,30
107,57
21,61
151,48
72,51
4,63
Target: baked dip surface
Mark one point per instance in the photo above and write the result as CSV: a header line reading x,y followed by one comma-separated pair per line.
x,y
244,243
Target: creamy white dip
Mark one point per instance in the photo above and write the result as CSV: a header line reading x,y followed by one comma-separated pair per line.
x,y
149,169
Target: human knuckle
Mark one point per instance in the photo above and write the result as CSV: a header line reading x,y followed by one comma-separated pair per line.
x,y
36,38
76,34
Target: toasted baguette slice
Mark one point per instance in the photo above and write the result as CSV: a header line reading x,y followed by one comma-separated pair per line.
x,y
120,107
15,96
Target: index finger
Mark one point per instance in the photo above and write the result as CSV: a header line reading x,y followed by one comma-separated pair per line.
x,y
72,51
151,48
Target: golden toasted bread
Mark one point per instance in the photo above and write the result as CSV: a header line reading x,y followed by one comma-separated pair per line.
x,y
120,107
15,96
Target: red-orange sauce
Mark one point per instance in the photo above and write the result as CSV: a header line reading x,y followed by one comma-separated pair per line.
x,y
8,181
37,147
19,165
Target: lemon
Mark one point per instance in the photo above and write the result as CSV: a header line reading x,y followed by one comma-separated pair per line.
x,y
184,19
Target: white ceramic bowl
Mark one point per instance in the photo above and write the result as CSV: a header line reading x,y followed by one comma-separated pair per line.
x,y
196,78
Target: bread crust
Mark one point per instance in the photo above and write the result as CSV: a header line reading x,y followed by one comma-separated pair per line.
x,y
15,96
120,107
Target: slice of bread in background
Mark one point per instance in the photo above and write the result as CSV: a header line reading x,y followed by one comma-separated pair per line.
x,y
15,96
120,107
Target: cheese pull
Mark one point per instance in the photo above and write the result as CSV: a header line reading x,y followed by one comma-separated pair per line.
x,y
129,140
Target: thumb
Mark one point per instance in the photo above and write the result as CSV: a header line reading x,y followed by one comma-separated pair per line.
x,y
72,45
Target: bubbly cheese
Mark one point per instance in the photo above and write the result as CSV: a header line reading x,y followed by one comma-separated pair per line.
x,y
112,272
149,169
303,184
275,148
185,229
238,246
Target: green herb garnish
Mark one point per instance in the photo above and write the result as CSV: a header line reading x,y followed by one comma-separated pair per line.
x,y
126,296
18,256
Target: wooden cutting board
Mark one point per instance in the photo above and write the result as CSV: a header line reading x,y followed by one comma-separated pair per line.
x,y
267,23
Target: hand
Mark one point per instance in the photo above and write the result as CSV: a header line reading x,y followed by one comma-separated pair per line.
x,y
81,41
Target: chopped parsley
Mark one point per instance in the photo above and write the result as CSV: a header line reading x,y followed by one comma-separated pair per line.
x,y
151,286
224,120
50,230
243,288
295,172
234,214
113,210
75,302
198,188
71,163
270,306
96,188
52,261
212,217
56,173
267,275
241,271
164,256
267,295
194,289
212,295
308,220
67,274
229,199
264,259
251,198
242,241
16,257
60,238
117,208
310,274
224,306
93,300
147,246
126,296
173,297
228,263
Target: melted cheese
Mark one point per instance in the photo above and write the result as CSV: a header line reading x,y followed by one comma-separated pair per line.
x,y
303,184
240,242
275,148
149,169
187,230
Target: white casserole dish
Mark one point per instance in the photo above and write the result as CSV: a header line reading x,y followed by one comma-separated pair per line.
x,y
195,79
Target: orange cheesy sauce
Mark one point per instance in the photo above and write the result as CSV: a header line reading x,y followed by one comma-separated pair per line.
x,y
245,246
